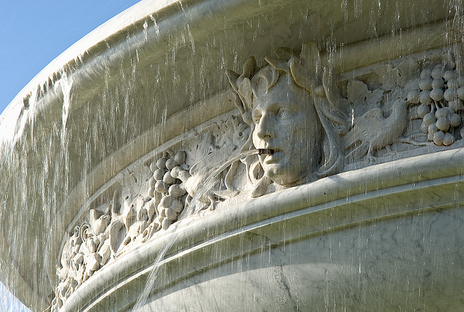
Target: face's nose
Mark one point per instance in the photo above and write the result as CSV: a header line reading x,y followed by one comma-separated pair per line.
x,y
263,128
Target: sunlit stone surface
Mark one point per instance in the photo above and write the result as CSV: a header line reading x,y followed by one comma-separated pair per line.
x,y
242,156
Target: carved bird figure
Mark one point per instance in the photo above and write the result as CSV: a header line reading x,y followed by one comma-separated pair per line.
x,y
372,131
98,221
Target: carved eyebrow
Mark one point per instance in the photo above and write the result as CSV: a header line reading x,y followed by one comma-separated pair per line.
x,y
270,107
277,106
274,107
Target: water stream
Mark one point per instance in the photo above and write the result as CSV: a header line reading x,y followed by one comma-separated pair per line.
x,y
203,189
69,134
209,183
154,273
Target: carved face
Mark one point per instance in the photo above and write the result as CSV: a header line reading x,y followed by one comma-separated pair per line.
x,y
287,123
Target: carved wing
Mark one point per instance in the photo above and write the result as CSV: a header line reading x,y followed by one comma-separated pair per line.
x,y
364,125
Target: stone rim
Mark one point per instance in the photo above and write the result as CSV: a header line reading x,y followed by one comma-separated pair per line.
x,y
380,184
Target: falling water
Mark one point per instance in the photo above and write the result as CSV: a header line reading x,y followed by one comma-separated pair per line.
x,y
211,180
172,65
204,188
150,283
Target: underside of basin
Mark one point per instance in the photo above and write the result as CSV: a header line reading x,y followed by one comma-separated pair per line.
x,y
396,248
144,149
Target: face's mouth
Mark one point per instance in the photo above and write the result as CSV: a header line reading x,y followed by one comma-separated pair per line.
x,y
265,151
269,156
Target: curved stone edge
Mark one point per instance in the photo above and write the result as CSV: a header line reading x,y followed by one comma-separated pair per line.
x,y
111,43
440,39
110,30
427,37
111,166
399,188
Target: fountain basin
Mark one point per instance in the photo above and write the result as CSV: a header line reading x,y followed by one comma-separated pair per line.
x,y
153,77
387,236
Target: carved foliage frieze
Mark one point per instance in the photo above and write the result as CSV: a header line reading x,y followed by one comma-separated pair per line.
x,y
296,121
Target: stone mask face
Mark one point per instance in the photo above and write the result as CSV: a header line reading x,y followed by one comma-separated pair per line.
x,y
287,123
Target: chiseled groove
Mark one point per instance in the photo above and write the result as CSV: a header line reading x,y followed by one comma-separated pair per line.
x,y
107,168
91,301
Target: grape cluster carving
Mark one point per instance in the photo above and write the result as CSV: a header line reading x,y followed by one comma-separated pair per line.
x,y
166,188
441,96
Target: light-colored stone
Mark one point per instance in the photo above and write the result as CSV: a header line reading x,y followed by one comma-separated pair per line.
x,y
135,139
279,109
305,243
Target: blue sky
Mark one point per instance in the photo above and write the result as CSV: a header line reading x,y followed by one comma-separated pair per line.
x,y
8,303
32,34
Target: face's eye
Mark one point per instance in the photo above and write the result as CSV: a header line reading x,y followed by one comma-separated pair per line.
x,y
284,113
256,118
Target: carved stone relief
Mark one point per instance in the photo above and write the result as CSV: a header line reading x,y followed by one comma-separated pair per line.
x,y
297,121
294,105
415,101
149,198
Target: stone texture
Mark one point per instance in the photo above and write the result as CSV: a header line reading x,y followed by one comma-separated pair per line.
x,y
85,209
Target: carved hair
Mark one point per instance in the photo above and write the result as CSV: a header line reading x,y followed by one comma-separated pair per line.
x,y
307,73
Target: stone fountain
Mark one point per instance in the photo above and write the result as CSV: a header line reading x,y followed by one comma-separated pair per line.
x,y
267,155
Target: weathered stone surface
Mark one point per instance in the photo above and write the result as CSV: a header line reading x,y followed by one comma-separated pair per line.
x,y
326,175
